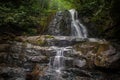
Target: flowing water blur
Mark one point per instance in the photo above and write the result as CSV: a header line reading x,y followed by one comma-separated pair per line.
x,y
57,63
78,29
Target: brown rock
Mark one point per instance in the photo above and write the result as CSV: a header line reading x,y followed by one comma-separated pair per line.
x,y
4,47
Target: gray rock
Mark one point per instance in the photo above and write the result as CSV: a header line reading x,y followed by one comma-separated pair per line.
x,y
60,24
12,73
80,63
4,47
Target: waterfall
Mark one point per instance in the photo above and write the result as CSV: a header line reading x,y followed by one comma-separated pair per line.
x,y
78,29
57,63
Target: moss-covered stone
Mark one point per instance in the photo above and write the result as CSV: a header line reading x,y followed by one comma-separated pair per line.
x,y
49,36
100,54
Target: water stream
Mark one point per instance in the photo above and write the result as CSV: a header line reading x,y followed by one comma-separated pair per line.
x,y
57,63
78,29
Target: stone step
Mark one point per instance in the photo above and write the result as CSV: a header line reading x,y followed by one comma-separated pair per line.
x,y
35,50
61,41
49,40
97,52
69,62
4,47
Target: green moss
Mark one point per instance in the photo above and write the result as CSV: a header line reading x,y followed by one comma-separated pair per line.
x,y
103,47
40,42
49,36
24,44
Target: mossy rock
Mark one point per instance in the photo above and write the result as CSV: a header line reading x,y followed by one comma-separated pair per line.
x,y
49,36
40,42
102,55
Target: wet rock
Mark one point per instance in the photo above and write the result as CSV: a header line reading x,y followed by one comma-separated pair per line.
x,y
19,54
80,56
48,40
60,24
99,53
20,79
69,62
79,72
37,72
106,56
38,59
4,47
12,73
80,63
2,56
83,78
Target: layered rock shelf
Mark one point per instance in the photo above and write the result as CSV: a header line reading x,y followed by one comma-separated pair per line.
x,y
28,58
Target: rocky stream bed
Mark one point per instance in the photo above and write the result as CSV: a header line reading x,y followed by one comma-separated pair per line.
x,y
28,58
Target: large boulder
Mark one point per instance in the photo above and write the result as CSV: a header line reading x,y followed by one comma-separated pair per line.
x,y
99,54
12,73
60,24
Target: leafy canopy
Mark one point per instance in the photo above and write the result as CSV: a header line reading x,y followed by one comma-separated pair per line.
x,y
61,4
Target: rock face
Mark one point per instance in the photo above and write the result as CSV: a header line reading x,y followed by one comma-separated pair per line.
x,y
27,58
60,24
12,73
100,54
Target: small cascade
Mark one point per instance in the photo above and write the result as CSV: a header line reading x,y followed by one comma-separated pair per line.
x,y
78,29
57,63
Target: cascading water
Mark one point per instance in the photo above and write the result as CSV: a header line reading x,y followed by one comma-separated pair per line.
x,y
78,29
57,63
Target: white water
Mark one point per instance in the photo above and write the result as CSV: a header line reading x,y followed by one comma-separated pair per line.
x,y
78,29
57,63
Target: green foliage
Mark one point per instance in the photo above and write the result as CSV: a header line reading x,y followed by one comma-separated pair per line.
x,y
23,16
30,17
49,36
61,4
104,14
